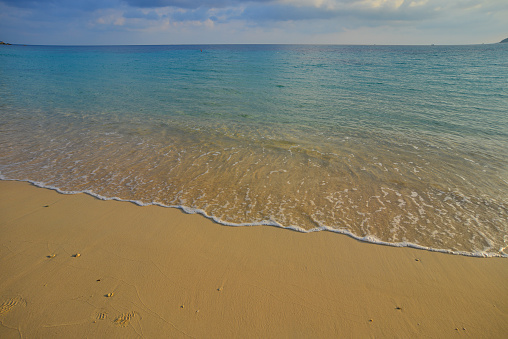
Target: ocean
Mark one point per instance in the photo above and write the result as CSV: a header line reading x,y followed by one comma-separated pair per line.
x,y
398,145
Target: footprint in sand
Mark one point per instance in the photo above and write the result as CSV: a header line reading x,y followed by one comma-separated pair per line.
x,y
9,304
124,319
101,316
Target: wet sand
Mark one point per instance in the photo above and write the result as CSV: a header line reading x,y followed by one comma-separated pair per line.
x,y
76,266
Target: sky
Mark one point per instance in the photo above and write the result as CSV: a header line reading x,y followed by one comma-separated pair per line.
x,y
159,22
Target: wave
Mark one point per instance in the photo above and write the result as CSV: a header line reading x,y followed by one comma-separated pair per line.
x,y
189,210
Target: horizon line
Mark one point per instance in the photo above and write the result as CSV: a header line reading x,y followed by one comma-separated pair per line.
x,y
246,44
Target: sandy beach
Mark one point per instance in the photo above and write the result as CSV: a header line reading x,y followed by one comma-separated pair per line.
x,y
72,266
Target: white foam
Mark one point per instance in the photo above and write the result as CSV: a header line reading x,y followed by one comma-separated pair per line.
x,y
189,210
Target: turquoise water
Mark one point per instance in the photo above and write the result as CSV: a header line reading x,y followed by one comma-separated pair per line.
x,y
405,145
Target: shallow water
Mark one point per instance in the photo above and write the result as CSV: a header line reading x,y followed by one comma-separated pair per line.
x,y
405,145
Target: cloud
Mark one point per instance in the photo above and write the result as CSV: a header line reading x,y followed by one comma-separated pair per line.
x,y
185,4
192,4
285,12
134,13
84,5
371,11
60,21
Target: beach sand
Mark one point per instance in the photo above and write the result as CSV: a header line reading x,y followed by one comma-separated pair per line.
x,y
73,266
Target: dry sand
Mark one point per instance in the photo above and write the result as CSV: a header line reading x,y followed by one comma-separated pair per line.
x,y
157,272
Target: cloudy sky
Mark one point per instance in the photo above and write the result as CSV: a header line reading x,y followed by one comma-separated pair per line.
x,y
96,22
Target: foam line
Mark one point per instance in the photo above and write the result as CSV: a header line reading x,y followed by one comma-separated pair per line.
x,y
189,210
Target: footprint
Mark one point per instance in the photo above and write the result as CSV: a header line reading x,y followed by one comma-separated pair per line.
x,y
9,304
101,316
124,319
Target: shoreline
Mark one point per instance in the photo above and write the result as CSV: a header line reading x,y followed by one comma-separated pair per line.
x,y
168,273
189,210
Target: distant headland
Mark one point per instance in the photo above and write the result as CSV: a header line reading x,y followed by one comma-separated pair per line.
x,y
504,41
4,43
